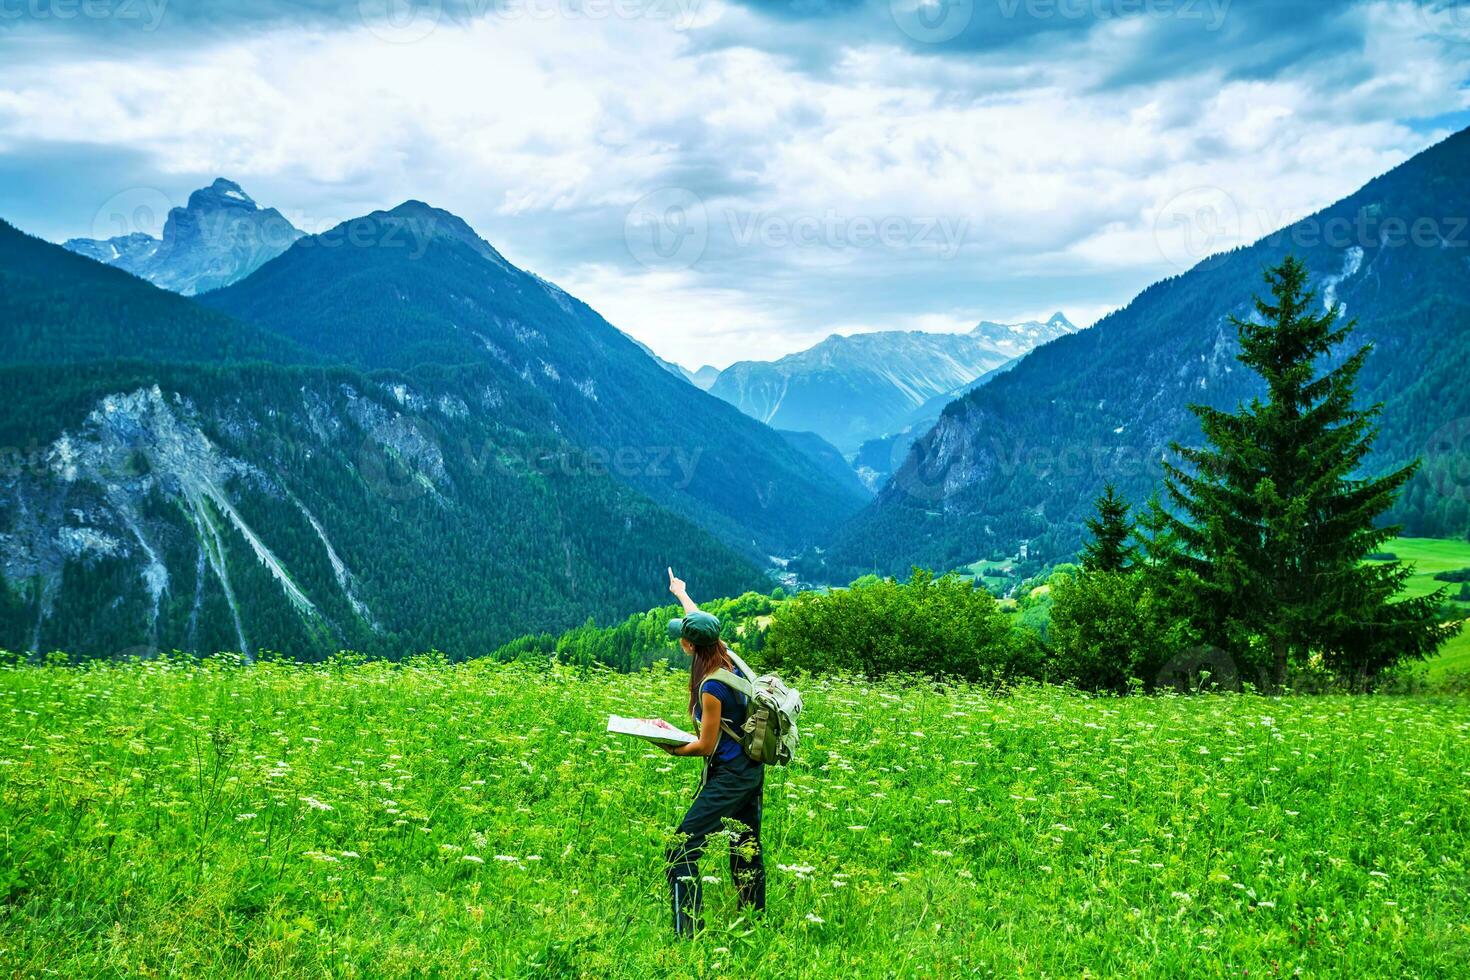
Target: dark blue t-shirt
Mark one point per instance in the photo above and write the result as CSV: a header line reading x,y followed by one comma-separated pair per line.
x,y
732,709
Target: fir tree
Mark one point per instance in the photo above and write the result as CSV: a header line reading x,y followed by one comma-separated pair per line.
x,y
1109,550
1270,521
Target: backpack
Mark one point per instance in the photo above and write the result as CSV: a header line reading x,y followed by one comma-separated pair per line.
x,y
769,732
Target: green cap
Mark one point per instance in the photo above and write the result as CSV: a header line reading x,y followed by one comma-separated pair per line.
x,y
699,628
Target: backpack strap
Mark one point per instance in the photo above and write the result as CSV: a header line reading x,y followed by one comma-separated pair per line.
x,y
733,680
744,667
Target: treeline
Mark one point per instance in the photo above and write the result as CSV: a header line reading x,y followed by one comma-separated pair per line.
x,y
1250,566
642,639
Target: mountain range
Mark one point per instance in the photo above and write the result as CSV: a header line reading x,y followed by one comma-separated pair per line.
x,y
1020,459
387,439
850,389
220,237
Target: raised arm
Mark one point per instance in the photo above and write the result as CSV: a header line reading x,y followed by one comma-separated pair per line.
x,y
676,586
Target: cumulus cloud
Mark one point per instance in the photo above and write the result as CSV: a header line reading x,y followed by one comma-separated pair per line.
x,y
731,180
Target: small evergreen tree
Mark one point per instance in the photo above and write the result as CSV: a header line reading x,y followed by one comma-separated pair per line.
x,y
1110,631
1268,528
1109,550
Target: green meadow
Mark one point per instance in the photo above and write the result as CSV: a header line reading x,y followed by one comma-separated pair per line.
x,y
1431,556
348,819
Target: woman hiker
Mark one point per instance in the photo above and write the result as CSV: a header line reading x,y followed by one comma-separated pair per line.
x,y
732,785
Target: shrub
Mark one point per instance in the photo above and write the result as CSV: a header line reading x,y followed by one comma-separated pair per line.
x,y
1109,629
927,625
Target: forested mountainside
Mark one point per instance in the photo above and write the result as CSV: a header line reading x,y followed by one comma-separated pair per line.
x,y
1021,458
226,504
852,389
416,286
220,237
56,307
833,464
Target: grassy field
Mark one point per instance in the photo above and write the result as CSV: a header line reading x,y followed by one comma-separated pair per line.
x,y
476,820
1429,557
997,576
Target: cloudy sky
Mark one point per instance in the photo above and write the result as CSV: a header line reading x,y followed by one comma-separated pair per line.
x,y
729,179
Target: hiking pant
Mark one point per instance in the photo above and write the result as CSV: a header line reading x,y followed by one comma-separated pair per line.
x,y
732,788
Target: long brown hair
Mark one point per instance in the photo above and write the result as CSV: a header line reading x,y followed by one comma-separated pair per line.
x,y
708,658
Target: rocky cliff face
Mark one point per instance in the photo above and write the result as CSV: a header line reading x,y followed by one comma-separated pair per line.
x,y
139,483
220,237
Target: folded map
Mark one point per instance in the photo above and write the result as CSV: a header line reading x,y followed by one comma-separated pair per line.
x,y
653,729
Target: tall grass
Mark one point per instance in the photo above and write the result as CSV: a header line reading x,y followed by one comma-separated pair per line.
x,y
368,819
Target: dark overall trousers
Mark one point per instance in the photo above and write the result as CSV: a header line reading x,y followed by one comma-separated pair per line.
x,y
732,788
